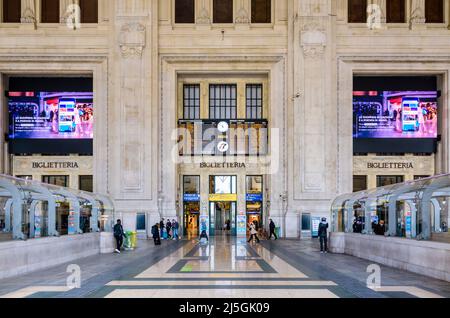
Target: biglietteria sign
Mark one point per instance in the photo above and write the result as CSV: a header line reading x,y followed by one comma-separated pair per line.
x,y
223,165
55,165
390,165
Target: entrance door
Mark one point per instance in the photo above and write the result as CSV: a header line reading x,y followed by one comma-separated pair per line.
x,y
223,218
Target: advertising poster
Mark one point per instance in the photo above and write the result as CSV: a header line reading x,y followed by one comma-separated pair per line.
x,y
56,115
241,225
72,230
37,226
393,114
315,226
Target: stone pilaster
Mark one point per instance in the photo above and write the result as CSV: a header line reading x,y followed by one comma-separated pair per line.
x,y
28,11
66,10
381,9
417,19
132,76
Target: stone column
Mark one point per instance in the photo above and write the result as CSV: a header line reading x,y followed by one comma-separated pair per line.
x,y
28,11
66,10
133,148
381,4
314,113
243,14
417,19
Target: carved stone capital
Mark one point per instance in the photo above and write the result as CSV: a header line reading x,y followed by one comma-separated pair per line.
x,y
132,40
242,16
204,17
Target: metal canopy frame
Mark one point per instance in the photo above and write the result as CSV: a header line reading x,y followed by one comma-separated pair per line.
x,y
23,196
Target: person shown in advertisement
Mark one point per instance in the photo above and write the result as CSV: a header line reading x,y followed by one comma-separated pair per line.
x,y
253,233
323,236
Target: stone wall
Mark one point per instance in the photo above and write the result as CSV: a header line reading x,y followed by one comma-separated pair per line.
x,y
422,257
22,257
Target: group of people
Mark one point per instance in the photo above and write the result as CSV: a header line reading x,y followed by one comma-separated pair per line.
x,y
169,230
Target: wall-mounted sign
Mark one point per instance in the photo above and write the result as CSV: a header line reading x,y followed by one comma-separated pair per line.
x,y
390,165
254,197
223,127
223,165
223,198
55,165
191,197
241,222
71,223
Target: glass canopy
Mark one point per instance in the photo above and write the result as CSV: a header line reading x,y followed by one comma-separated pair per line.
x,y
30,209
415,210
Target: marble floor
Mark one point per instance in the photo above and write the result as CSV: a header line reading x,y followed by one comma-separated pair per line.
x,y
225,268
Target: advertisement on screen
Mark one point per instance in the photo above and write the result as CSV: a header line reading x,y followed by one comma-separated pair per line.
x,y
395,114
56,115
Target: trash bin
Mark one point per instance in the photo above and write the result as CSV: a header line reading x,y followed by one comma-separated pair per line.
x,y
133,240
277,231
127,240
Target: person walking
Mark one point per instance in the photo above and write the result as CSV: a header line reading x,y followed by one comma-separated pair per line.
x,y
118,235
169,228
253,233
155,233
161,228
176,227
272,230
323,235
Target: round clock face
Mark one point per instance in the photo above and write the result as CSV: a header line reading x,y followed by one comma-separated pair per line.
x,y
223,127
223,146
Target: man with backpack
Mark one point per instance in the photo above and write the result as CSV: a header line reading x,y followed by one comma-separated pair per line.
x,y
175,226
155,233
118,235
272,230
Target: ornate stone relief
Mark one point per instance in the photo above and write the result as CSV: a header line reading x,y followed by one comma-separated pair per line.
x,y
28,12
204,17
132,40
242,16
418,12
313,40
313,8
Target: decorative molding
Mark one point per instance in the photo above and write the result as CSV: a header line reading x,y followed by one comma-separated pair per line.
x,y
313,40
242,16
28,14
418,12
132,40
204,17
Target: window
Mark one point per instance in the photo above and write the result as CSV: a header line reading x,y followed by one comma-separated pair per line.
x,y
261,11
11,11
222,101
62,181
50,11
86,183
359,183
434,11
357,11
89,11
306,222
395,11
140,222
191,184
254,97
223,11
184,11
222,184
191,101
383,181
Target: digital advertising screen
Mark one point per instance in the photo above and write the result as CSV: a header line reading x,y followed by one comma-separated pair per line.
x,y
395,114
51,115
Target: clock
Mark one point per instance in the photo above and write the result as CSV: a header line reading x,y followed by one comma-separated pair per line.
x,y
223,146
223,127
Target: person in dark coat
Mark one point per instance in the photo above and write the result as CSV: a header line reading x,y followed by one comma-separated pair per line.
x,y
272,230
323,236
155,233
118,235
169,228
161,227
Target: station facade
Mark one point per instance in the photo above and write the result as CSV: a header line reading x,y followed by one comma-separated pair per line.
x,y
218,113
